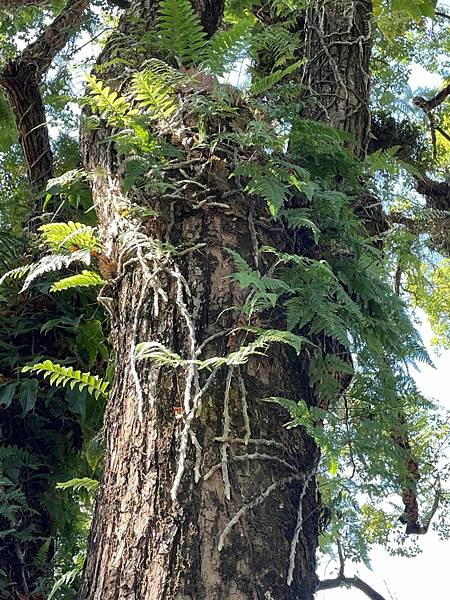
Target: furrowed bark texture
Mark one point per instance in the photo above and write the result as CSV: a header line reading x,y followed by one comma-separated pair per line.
x,y
20,82
336,76
244,524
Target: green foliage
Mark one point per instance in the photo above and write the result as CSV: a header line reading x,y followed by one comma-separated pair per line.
x,y
154,94
328,292
107,101
63,376
262,84
69,236
83,279
181,32
68,577
79,483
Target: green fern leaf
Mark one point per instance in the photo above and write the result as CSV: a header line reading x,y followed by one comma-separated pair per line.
x,y
263,84
227,47
271,189
91,485
114,107
67,235
154,94
83,279
181,32
296,218
68,577
62,376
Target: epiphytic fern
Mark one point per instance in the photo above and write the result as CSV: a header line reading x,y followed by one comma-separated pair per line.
x,y
114,107
227,47
55,262
154,94
91,485
62,376
83,279
262,84
181,32
68,235
17,273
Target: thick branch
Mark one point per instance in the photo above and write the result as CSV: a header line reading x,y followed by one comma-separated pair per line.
x,y
432,103
20,80
437,193
54,37
440,13
342,581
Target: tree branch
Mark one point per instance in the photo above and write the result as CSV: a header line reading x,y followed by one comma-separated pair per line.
x,y
441,13
437,193
434,102
20,80
342,581
54,37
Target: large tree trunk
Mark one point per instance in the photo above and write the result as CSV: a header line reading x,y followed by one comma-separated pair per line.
x,y
240,519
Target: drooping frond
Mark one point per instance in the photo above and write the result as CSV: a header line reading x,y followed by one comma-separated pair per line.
x,y
67,578
158,353
227,47
181,32
83,279
55,262
299,217
62,376
263,84
17,273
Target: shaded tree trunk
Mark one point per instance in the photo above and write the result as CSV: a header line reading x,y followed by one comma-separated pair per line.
x,y
239,519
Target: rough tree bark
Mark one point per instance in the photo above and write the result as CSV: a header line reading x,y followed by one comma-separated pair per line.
x,y
244,521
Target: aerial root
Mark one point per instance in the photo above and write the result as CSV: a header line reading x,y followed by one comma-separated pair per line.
x,y
258,500
293,552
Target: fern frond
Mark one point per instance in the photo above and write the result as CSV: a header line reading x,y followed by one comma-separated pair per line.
x,y
114,107
227,47
17,273
83,279
181,32
55,262
297,218
62,376
271,189
67,235
91,485
264,339
262,84
158,353
68,577
154,94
